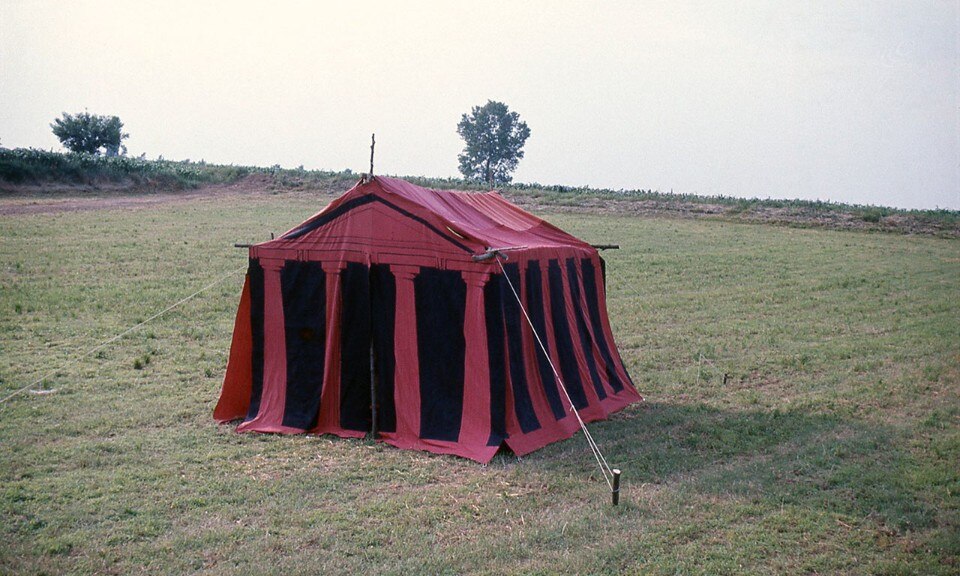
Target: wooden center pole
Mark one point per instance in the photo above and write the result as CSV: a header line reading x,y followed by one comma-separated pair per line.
x,y
373,142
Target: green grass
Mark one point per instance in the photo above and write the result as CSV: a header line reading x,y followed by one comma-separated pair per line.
x,y
833,447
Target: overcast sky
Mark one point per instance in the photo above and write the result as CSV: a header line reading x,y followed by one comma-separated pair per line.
x,y
856,102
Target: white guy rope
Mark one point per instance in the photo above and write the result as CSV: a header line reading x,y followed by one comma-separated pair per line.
x,y
100,346
605,468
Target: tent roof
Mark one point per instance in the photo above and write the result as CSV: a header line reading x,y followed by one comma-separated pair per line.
x,y
477,220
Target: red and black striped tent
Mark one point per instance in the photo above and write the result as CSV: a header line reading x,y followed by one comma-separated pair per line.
x,y
400,285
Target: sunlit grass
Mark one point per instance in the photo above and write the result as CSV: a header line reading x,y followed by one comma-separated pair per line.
x,y
832,447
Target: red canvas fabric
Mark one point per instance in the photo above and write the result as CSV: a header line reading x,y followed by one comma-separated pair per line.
x,y
415,247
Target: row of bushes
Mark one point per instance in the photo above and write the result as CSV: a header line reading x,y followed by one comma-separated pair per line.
x,y
30,166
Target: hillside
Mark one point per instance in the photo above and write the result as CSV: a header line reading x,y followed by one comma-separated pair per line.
x,y
39,181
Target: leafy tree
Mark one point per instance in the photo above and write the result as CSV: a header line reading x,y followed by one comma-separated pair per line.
x,y
494,139
90,133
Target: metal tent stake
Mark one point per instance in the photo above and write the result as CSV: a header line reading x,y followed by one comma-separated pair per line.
x,y
616,487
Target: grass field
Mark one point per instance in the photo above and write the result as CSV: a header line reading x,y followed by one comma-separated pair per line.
x,y
802,414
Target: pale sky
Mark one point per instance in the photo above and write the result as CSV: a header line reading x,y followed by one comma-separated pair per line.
x,y
856,102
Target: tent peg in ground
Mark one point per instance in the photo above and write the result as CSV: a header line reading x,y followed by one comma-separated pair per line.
x,y
615,493
606,246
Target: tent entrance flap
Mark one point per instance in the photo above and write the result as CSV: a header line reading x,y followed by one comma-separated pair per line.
x,y
367,318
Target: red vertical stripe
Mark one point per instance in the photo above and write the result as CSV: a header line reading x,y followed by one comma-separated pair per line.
x,y
592,409
475,424
531,348
270,416
628,390
595,342
551,336
407,377
329,419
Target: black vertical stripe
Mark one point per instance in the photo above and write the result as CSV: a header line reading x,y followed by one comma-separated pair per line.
x,y
304,291
534,294
383,293
255,274
493,314
513,319
355,348
569,369
593,305
441,301
586,343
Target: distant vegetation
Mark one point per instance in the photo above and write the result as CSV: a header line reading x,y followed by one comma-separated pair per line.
x,y
52,171
47,171
494,138
90,133
34,167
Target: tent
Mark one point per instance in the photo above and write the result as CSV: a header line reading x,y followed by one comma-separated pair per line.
x,y
419,292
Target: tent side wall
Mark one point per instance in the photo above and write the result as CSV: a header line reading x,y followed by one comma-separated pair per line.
x,y
580,366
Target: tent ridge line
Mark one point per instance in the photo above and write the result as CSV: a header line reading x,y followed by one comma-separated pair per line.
x,y
323,219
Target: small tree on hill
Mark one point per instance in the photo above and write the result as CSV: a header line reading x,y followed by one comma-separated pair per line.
x,y
494,138
90,133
